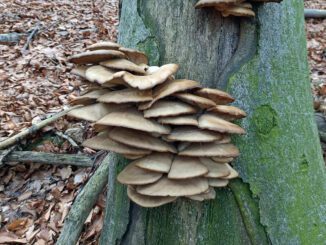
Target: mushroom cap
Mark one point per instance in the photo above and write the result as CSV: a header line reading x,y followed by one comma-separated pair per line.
x,y
209,194
168,88
133,157
98,74
218,96
232,111
103,142
183,145
128,95
238,11
144,82
222,159
213,3
124,65
190,120
133,119
140,139
80,70
104,45
233,173
212,122
186,168
89,97
169,187
134,55
94,112
215,170
147,201
193,134
225,140
95,56
132,175
156,162
211,149
201,102
164,108
218,182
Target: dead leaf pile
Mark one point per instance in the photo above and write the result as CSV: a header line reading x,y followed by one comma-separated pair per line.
x,y
39,80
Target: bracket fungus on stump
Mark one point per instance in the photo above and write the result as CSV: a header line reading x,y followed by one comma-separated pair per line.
x,y
175,132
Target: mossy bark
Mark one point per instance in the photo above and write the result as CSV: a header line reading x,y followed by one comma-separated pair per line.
x,y
280,198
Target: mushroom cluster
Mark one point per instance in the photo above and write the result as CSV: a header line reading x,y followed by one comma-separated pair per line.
x,y
231,7
176,133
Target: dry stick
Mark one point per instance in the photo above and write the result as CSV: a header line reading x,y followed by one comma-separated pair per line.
x,y
66,137
83,204
314,13
47,158
10,38
31,130
30,37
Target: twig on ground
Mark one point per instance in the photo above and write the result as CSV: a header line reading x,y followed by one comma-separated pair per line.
x,y
10,38
30,38
4,154
314,13
83,204
31,130
46,158
66,137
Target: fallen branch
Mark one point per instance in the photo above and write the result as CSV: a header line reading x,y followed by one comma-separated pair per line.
x,y
70,140
10,38
47,158
83,204
30,37
314,13
33,129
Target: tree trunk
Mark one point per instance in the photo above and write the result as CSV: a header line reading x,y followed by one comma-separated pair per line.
x,y
262,62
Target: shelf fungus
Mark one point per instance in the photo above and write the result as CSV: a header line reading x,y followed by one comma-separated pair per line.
x,y
176,133
232,7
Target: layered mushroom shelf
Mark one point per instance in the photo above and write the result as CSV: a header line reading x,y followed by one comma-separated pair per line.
x,y
232,7
176,133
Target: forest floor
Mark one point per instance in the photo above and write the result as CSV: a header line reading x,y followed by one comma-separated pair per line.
x,y
35,83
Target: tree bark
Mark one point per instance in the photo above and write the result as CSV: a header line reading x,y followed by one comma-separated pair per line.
x,y
262,62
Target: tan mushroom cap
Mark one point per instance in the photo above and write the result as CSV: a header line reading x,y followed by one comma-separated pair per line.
x,y
133,119
103,142
168,88
201,102
132,175
183,145
98,74
209,194
80,70
140,139
186,168
218,96
222,159
134,55
124,65
215,170
104,45
128,95
189,120
213,3
147,201
238,11
233,173
164,108
156,162
213,122
225,140
169,187
95,112
144,82
95,56
232,111
89,97
193,134
133,157
211,149
218,182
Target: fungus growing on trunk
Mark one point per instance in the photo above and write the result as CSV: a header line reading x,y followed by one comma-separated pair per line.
x,y
175,132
